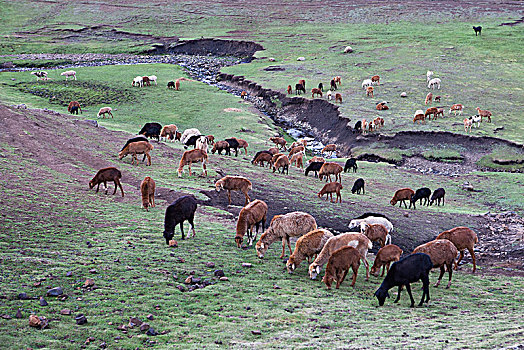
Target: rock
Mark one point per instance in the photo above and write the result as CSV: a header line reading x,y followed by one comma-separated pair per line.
x,y
196,280
404,94
80,319
34,321
89,245
19,314
66,312
144,327
219,273
55,292
348,49
210,264
43,302
134,321
93,271
103,345
256,332
122,327
188,280
69,274
23,296
92,122
224,278
181,288
6,317
150,317
151,332
406,214
247,264
89,340
301,58
89,282
173,243
271,59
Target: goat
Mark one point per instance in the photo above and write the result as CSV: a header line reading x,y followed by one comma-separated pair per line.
x,y
410,269
484,114
329,95
476,119
442,253
351,163
289,90
437,98
104,175
40,75
188,133
366,83
297,160
147,189
261,157
316,159
104,111
338,98
171,85
252,215
329,148
376,233
348,49
440,111
202,142
338,80
435,82
419,116
378,121
303,83
338,266
193,156
307,246
74,107
151,130
429,76
467,124
316,91
385,256
299,88
382,106
333,85
295,150
438,194
294,224
69,73
134,139
243,95
221,146
280,142
321,87
152,78
429,97
375,80
177,84
420,194
134,148
180,210
478,30
273,150
234,145
234,183
329,169
169,132
329,189
274,159
402,196
369,91
431,111
314,166
138,81
358,186
456,108
281,162
146,81
358,127
462,238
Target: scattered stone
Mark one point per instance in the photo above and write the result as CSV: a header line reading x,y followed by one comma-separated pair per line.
x,y
93,271
271,59
103,345
134,321
6,317
219,273
80,319
210,264
69,274
188,280
151,332
181,288
23,296
89,340
89,282
247,264
66,312
55,292
150,317
19,314
196,280
173,243
38,321
144,327
224,278
92,122
37,284
89,245
404,94
181,260
301,58
122,327
406,214
256,332
43,302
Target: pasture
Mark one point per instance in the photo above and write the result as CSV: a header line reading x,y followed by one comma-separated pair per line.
x,y
56,232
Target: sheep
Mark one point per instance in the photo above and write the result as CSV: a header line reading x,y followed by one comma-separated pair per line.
x,y
355,240
308,246
358,186
429,97
74,107
295,150
366,83
147,189
314,166
289,90
419,116
348,49
467,124
40,75
104,111
420,194
134,148
299,88
146,81
252,215
329,95
462,238
104,175
375,80
376,233
234,183
151,130
169,131
273,150
138,81
261,157
297,160
294,224
69,73
410,269
221,146
357,222
351,163
478,30
188,133
274,158
435,82
456,108
431,111
369,91
338,98
484,114
282,162
329,169
438,194
316,91
402,196
333,85
329,188
193,156
367,215
338,266
153,78
476,119
385,256
280,142
329,148
180,210
192,141
442,253
316,159
429,76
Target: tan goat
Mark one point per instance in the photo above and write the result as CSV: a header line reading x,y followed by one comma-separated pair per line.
x,y
147,189
329,189
442,253
339,264
193,156
385,256
329,169
376,233
234,183
251,216
402,196
463,238
308,246
134,148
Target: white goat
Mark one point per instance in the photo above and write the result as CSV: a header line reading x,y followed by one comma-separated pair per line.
x,y
429,76
202,143
366,83
372,220
188,133
152,78
138,81
69,73
329,95
434,82
476,119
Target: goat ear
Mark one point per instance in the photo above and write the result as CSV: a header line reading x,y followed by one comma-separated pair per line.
x,y
293,266
262,245
318,269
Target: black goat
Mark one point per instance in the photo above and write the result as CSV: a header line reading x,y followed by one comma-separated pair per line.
x,y
357,186
259,153
333,85
233,144
176,213
438,194
420,194
367,215
151,130
314,166
351,163
171,85
191,141
321,87
298,88
410,269
478,30
358,127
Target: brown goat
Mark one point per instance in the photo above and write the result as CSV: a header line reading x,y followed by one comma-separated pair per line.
x,y
263,157
431,111
275,157
385,256
273,150
289,90
316,159
462,238
329,189
338,80
193,156
107,174
339,264
282,162
402,196
242,144
220,146
177,84
442,253
234,183
375,79
484,114
211,139
369,91
296,149
376,233
316,91
338,98
280,142
298,160
308,246
74,106
382,106
329,148
329,169
169,132
252,215
147,188
429,98
134,148
303,83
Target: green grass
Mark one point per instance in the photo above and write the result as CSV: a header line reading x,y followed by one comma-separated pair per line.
x,y
443,155
503,154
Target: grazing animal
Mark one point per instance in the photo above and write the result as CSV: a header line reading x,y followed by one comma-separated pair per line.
x,y
193,156
104,175
69,73
234,183
467,124
282,162
178,135
273,150
379,122
376,233
355,240
134,148
382,106
146,81
375,80
456,108
367,215
104,111
241,144
274,158
147,189
484,114
188,133
40,75
369,91
478,30
476,119
358,127
308,246
333,85
351,163
316,159
252,215
134,139
321,87
243,94
437,98
329,148
169,132
202,143
221,146
74,107
431,111
177,84
303,83
429,76
234,144
419,116
261,157
366,83
299,88
402,196
429,97
297,160
314,166
371,218
138,81
294,224
210,139
151,130
385,256
410,269
358,186
153,78
280,142
338,98
295,150
440,111
289,90
329,169
329,95
348,49
171,85
463,238
442,253
180,210
329,189
339,264
438,194
421,194
338,80
316,91
435,82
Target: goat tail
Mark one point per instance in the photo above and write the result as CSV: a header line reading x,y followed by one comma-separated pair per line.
x,y
388,239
